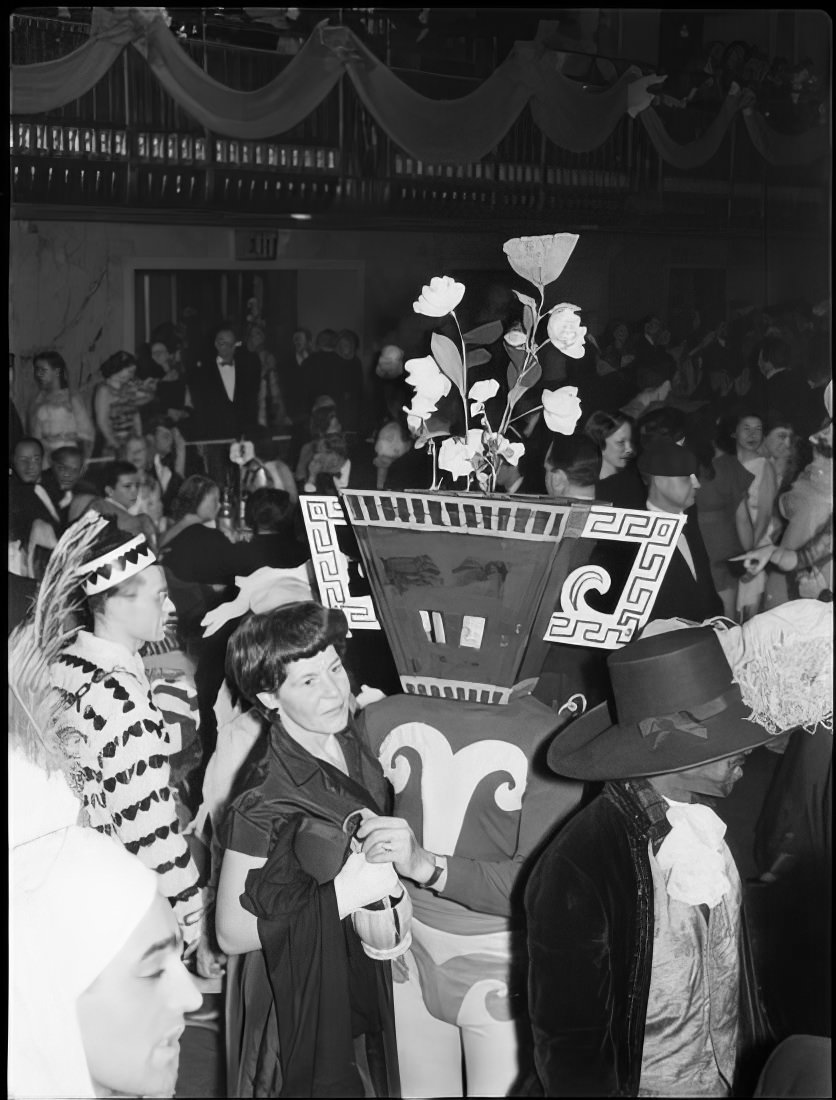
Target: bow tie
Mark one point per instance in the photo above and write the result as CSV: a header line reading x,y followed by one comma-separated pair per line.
x,y
224,363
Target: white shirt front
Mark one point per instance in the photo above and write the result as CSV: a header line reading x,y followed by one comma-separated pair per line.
x,y
227,371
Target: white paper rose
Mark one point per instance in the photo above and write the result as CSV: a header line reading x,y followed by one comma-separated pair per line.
x,y
511,452
439,298
425,377
456,455
540,260
420,410
515,338
561,409
480,392
566,331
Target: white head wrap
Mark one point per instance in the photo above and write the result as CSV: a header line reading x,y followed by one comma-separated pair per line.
x,y
76,898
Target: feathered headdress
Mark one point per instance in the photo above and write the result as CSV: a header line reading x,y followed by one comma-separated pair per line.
x,y
35,643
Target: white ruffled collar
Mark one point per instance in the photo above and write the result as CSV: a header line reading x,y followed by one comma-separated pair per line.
x,y
692,855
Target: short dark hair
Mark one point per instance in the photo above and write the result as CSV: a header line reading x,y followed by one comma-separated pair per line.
x,y
225,326
262,646
60,454
668,421
191,495
326,340
601,425
116,362
267,509
776,350
577,456
55,360
28,439
114,470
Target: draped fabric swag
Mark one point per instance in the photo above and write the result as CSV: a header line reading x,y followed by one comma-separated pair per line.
x,y
460,130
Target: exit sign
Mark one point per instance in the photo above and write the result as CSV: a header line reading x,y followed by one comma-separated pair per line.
x,y
256,244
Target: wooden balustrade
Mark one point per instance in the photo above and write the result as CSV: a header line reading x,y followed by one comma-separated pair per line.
x,y
127,144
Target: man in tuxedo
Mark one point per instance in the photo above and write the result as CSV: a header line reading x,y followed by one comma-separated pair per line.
x,y
687,592
224,390
28,499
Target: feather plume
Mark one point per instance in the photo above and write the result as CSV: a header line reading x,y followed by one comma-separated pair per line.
x,y
50,625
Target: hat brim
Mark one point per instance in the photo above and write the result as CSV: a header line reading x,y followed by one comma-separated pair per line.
x,y
593,747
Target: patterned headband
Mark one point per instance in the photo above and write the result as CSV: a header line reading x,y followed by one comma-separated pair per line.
x,y
117,565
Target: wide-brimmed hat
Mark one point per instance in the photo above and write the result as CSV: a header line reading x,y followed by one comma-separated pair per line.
x,y
676,707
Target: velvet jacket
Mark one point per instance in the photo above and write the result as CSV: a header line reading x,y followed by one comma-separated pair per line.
x,y
589,903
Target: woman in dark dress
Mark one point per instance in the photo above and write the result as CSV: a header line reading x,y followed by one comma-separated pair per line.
x,y
618,481
309,1012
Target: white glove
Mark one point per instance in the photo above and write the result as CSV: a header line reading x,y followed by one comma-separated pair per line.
x,y
360,883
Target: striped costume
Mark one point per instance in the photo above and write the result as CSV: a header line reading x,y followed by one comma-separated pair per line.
x,y
122,758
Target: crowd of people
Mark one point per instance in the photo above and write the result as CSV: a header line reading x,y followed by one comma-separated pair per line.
x,y
185,712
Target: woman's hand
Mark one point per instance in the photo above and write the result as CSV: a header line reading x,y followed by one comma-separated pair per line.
x,y
209,962
391,840
755,560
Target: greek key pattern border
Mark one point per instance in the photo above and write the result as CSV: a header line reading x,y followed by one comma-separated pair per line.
x,y
656,534
322,516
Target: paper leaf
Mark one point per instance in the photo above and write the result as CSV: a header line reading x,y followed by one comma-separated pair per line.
x,y
513,374
531,376
527,300
484,334
528,319
449,358
477,357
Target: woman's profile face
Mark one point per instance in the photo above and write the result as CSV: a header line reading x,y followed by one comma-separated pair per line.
x,y
163,440
161,355
132,1016
315,693
778,442
122,377
208,507
618,447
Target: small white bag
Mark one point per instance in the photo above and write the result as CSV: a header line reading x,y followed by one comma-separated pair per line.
x,y
384,927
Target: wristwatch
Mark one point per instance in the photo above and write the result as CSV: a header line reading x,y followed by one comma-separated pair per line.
x,y
440,868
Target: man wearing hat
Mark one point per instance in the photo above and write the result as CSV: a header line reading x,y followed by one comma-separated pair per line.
x,y
687,592
640,982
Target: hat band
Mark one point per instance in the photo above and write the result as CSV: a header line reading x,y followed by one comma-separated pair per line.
x,y
683,721
118,565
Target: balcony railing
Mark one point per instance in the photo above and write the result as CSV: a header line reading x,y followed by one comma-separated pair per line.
x,y
126,144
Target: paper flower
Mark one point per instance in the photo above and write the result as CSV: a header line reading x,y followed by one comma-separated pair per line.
x,y
439,298
566,331
511,452
515,337
540,260
420,410
561,409
456,455
425,377
480,392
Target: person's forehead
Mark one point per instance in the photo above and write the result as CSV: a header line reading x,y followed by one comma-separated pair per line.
x,y
304,666
126,481
225,335
27,450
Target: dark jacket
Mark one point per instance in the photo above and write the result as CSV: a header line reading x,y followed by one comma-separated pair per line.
x,y
681,595
327,992
215,416
589,903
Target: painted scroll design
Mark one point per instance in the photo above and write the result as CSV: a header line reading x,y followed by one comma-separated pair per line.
x,y
656,534
322,516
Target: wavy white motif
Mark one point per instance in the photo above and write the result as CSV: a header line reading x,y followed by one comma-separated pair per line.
x,y
448,779
474,1009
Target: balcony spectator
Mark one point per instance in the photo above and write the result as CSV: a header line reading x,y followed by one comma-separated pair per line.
x,y
64,480
161,361
324,370
653,364
272,413
351,381
57,416
28,499
115,405
224,390
292,373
